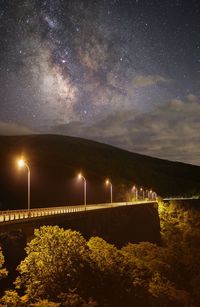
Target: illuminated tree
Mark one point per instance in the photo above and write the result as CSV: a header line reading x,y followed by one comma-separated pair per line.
x,y
180,229
57,260
148,256
156,274
45,303
114,284
73,299
12,299
3,271
165,294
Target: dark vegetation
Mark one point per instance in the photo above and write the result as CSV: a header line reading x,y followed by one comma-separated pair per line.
x,y
62,268
13,245
56,160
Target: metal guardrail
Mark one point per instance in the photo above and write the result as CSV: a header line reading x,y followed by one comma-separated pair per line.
x,y
12,215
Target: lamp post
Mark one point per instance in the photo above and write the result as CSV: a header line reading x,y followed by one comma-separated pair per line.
x,y
147,195
142,190
135,191
154,195
150,194
80,176
111,190
21,163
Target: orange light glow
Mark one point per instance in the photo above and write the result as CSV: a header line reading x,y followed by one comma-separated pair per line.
x,y
21,163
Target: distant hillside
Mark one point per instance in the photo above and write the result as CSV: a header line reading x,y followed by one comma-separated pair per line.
x,y
56,160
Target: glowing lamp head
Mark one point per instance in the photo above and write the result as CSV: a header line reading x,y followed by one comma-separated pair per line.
x,y
20,163
141,189
79,176
107,181
134,187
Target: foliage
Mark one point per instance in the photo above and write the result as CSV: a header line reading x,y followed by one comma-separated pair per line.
x,y
148,256
111,275
73,299
11,299
3,271
13,243
106,256
180,229
45,303
57,260
153,273
165,293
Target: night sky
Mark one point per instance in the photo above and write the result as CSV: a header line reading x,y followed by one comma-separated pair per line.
x,y
126,73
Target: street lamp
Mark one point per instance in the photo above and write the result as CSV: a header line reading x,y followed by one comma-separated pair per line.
x,y
111,190
154,195
22,163
147,194
80,176
135,191
142,190
150,194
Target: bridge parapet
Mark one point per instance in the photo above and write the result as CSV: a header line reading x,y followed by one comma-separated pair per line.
x,y
15,215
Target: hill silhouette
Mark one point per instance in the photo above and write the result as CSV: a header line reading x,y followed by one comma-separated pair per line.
x,y
56,160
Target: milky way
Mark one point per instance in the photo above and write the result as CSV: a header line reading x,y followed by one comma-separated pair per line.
x,y
70,66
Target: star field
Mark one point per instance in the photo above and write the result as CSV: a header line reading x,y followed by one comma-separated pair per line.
x,y
101,70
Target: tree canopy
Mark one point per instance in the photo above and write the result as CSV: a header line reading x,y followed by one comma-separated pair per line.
x,y
3,271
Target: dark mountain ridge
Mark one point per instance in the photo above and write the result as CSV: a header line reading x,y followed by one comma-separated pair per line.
x,y
56,160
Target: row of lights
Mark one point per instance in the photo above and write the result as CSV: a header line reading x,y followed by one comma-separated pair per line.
x,y
149,193
22,163
108,182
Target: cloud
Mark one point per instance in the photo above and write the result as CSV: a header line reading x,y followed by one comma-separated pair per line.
x,y
149,80
170,131
9,128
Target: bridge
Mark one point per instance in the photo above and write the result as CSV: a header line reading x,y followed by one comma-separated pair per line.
x,y
117,223
20,215
25,214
